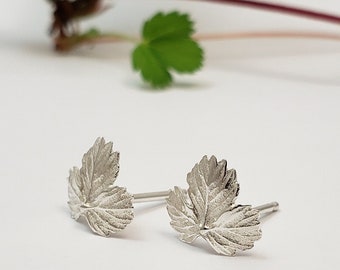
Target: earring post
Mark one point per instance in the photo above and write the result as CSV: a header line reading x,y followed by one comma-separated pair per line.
x,y
162,195
268,207
151,196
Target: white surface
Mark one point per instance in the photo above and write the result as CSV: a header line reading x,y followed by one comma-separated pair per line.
x,y
271,107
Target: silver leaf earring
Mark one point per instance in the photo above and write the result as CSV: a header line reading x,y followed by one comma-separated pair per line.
x,y
92,194
207,209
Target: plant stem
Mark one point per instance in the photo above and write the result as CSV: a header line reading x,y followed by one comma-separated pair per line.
x,y
69,43
234,35
268,34
284,9
72,42
118,36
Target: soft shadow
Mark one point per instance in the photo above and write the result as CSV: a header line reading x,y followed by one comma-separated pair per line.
x,y
147,208
267,216
46,48
65,209
101,52
131,232
183,85
31,47
248,49
235,55
286,76
38,48
251,255
177,85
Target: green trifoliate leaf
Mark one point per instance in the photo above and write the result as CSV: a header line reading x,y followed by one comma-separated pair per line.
x,y
151,66
168,25
167,45
183,55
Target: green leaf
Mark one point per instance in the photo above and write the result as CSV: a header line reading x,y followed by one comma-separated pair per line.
x,y
148,62
167,46
168,25
183,55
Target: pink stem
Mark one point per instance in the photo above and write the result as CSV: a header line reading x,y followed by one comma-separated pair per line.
x,y
284,9
268,34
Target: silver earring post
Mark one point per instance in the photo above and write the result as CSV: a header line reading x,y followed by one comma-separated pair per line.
x,y
268,208
151,196
163,195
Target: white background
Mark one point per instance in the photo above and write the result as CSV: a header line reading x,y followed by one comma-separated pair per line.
x,y
270,107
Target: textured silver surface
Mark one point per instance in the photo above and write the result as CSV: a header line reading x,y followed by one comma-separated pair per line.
x,y
92,194
207,209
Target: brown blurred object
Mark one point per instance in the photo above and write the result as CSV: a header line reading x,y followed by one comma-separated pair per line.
x,y
66,11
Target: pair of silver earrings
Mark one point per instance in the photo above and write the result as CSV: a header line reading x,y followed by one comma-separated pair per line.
x,y
206,209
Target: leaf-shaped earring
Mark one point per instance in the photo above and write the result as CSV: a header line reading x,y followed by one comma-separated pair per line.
x,y
207,209
92,194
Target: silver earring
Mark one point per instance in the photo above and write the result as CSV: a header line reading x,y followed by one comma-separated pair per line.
x,y
207,209
92,194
